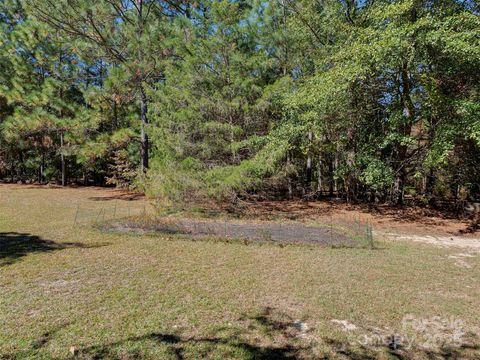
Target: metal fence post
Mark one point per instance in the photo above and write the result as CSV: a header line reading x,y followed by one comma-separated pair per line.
x,y
98,216
76,214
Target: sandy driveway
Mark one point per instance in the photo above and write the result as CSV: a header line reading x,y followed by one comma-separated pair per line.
x,y
472,243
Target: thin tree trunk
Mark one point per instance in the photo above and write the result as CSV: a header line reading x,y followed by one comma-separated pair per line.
x,y
398,188
319,170
350,181
309,161
336,165
115,115
289,179
12,167
429,182
144,146
331,182
430,175
42,168
285,45
20,166
62,157
143,134
232,139
309,170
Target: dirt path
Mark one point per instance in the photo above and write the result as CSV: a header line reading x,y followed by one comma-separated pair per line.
x,y
442,241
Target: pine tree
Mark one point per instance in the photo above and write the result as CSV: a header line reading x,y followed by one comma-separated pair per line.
x,y
37,93
367,100
130,36
211,112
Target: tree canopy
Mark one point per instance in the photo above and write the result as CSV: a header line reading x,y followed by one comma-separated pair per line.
x,y
367,100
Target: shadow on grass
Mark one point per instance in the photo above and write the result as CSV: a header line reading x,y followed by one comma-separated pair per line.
x,y
36,346
226,342
14,246
464,351
120,196
268,334
187,348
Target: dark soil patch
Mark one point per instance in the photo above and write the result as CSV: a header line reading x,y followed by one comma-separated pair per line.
x,y
259,231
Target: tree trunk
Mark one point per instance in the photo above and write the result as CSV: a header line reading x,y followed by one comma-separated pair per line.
x,y
144,146
429,182
309,162
20,165
12,167
331,182
235,159
42,168
319,170
398,189
143,134
430,175
62,157
115,115
336,165
350,181
401,151
289,179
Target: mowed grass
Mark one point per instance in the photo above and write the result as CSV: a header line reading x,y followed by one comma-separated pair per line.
x,y
78,292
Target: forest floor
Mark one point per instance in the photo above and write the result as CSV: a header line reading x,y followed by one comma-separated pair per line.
x,y
70,290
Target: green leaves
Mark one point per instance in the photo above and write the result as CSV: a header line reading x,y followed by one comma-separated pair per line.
x,y
237,96
377,175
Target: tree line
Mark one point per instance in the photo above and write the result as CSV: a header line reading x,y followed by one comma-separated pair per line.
x,y
366,100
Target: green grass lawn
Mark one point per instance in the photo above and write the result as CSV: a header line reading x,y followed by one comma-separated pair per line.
x,y
78,292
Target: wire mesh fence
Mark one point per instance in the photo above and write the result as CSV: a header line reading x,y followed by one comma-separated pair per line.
x,y
347,234
91,215
353,226
334,230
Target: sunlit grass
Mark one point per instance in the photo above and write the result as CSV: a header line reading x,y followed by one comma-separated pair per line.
x,y
100,294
